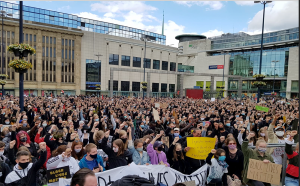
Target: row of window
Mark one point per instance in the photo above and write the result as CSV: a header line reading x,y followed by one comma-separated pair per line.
x,y
136,62
136,86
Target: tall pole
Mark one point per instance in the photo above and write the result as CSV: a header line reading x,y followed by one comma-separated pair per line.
x,y
274,77
261,48
223,76
21,78
98,64
2,70
144,68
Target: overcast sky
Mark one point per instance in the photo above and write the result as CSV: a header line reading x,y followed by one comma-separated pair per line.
x,y
210,18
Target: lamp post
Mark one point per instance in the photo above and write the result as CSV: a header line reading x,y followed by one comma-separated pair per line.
x,y
274,74
21,74
262,40
3,14
144,39
98,65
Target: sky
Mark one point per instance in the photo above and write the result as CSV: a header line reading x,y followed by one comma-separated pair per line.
x,y
209,18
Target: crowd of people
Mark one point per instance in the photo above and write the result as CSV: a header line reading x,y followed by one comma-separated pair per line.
x,y
91,135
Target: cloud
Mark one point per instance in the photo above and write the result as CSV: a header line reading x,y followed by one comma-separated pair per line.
x,y
212,33
213,5
245,3
64,8
279,15
121,6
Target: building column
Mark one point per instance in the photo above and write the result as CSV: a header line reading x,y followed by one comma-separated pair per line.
x,y
111,83
240,84
212,83
148,84
181,86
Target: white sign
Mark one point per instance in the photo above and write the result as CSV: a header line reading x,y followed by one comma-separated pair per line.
x,y
212,99
161,174
157,105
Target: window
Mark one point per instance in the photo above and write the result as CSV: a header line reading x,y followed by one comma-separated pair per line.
x,y
113,59
124,85
172,66
156,64
136,62
147,63
136,86
164,87
43,39
115,85
171,87
62,53
125,61
155,87
164,65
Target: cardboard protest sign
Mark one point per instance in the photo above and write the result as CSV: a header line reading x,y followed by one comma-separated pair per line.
x,y
200,147
189,183
53,175
155,114
264,172
260,108
152,100
164,105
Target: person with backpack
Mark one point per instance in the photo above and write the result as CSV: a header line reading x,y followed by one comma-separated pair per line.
x,y
24,172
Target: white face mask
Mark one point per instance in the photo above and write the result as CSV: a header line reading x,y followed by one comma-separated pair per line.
x,y
288,136
1,153
115,149
250,144
263,134
279,133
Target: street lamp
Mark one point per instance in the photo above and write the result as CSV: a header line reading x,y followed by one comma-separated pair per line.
x,y
274,73
224,67
262,40
98,65
3,14
145,38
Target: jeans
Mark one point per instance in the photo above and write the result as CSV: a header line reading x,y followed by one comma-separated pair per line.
x,y
291,181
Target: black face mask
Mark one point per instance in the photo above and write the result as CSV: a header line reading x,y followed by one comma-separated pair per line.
x,y
124,140
94,156
159,148
178,153
23,139
23,165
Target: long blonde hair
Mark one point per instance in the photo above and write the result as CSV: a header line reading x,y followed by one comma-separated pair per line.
x,y
175,154
122,133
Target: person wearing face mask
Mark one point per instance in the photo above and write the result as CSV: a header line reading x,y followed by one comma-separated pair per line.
x,y
58,139
277,137
77,150
61,157
92,160
139,156
23,139
118,155
259,153
176,157
292,170
234,158
154,150
25,173
218,168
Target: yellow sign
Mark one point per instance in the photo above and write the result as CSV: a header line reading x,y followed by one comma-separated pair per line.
x,y
200,147
264,172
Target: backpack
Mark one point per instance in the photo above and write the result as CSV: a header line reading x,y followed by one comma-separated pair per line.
x,y
133,180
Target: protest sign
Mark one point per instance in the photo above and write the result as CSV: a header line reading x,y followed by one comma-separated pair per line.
x,y
152,100
260,108
213,99
264,172
157,105
164,105
155,114
161,174
200,147
53,175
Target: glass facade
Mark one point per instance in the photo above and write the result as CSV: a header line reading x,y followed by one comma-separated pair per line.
x,y
242,39
73,21
185,68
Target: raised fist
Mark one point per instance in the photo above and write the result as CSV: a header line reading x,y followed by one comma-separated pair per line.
x,y
42,145
213,151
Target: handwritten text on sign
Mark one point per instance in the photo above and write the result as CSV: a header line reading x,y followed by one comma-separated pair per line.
x,y
54,174
264,172
200,147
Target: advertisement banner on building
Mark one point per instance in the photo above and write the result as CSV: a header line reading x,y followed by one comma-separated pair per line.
x,y
216,67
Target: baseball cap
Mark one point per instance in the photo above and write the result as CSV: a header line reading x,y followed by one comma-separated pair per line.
x,y
157,144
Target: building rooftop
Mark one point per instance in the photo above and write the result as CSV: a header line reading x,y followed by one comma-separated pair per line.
x,y
74,21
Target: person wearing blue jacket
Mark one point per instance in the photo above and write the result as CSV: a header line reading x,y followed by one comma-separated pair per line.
x,y
139,156
92,160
